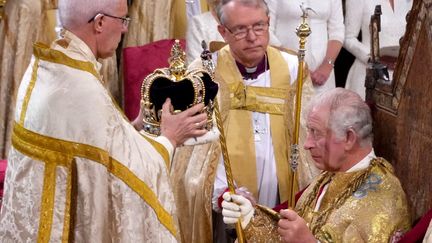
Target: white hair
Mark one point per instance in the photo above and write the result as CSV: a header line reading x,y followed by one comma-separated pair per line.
x,y
252,3
347,110
75,13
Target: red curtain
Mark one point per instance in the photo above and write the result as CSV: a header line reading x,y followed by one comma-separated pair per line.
x,y
139,62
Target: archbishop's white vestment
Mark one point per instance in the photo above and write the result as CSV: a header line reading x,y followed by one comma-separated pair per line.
x,y
78,170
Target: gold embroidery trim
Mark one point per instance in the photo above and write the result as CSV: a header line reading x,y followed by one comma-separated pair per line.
x,y
68,219
29,91
57,152
45,53
47,203
161,150
259,99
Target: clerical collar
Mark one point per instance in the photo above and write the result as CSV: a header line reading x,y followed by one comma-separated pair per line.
x,y
254,72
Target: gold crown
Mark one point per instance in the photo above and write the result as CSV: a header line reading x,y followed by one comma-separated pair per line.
x,y
184,87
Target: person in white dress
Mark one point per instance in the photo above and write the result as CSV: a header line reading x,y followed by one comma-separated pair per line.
x,y
357,17
325,41
201,27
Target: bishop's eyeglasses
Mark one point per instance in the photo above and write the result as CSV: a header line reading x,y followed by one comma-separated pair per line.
x,y
125,20
240,32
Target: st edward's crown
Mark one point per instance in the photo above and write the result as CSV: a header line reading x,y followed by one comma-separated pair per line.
x,y
184,87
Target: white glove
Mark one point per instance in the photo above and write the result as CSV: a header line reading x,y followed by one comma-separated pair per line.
x,y
235,207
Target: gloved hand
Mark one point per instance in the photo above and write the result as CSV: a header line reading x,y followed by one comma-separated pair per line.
x,y
235,207
243,191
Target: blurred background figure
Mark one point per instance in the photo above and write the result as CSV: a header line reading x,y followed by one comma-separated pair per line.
x,y
202,27
357,18
24,22
150,21
325,41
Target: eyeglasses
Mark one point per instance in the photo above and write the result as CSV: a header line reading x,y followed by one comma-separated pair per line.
x,y
125,20
241,32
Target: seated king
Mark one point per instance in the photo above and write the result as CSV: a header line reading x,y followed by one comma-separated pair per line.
x,y
357,197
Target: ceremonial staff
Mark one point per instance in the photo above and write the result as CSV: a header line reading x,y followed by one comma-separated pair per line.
x,y
303,31
208,64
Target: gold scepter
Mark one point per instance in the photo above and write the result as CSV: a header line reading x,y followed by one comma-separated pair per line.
x,y
302,31
208,64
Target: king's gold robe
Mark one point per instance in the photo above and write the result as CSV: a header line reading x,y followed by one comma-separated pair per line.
x,y
368,205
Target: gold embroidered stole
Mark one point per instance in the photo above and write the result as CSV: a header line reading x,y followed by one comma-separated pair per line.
x,y
247,99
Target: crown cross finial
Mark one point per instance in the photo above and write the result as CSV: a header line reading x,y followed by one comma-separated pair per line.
x,y
177,63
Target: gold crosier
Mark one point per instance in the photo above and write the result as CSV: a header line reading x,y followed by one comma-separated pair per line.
x,y
208,64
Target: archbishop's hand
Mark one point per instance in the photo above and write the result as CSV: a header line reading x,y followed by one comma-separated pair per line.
x,y
293,228
138,123
236,207
186,124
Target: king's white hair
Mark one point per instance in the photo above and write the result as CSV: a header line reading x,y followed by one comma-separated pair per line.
x,y
347,110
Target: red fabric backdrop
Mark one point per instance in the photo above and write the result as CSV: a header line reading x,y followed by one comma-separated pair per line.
x,y
138,62
3,164
417,233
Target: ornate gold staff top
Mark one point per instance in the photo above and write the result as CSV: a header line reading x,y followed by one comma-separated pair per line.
x,y
303,31
208,64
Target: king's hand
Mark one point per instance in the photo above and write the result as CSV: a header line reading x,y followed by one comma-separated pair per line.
x,y
293,228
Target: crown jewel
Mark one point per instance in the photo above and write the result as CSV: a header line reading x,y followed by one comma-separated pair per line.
x,y
184,87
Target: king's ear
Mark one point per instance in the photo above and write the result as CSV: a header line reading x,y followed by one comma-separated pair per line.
x,y
351,138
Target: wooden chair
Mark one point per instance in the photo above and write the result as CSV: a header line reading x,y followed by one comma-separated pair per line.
x,y
402,110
